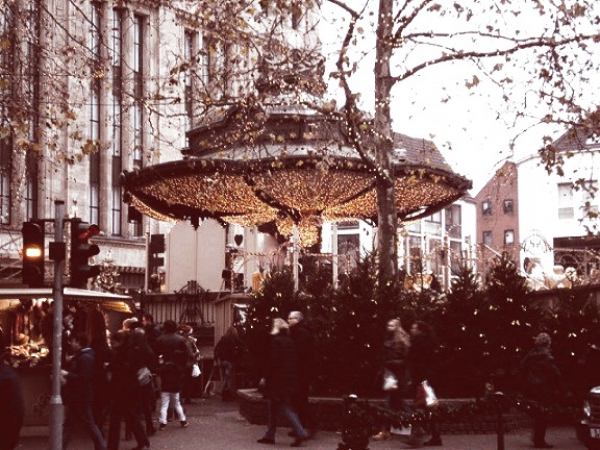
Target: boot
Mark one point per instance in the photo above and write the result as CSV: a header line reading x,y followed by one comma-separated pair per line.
x,y
383,435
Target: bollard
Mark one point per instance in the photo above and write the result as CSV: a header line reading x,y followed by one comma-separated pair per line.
x,y
357,430
499,403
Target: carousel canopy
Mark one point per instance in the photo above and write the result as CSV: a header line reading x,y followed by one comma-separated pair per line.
x,y
287,164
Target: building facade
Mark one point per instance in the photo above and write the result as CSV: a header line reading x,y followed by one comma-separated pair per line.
x,y
546,221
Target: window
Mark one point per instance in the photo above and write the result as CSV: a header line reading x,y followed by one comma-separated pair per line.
x,y
565,201
117,124
453,221
139,48
589,197
487,238
509,237
508,206
94,130
486,208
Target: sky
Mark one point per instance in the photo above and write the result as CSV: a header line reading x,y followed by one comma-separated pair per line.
x,y
472,127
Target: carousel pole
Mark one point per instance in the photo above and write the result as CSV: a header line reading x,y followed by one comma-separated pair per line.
x,y
58,255
334,252
295,251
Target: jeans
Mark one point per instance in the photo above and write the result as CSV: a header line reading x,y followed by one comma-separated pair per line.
x,y
227,371
82,411
281,406
127,410
165,399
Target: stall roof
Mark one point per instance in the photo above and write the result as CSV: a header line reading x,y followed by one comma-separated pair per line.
x,y
115,302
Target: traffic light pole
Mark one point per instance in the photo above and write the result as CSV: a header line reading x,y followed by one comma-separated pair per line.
x,y
56,405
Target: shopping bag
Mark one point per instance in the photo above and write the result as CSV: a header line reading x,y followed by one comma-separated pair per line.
x,y
390,382
195,371
425,395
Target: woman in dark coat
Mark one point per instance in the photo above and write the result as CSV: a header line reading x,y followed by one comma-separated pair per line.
x,y
542,383
395,361
280,384
422,362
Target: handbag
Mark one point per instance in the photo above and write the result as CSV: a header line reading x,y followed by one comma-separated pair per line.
x,y
144,376
196,371
425,395
390,382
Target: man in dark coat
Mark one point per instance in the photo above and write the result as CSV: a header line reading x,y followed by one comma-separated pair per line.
x,y
11,405
130,354
542,382
304,344
280,384
78,391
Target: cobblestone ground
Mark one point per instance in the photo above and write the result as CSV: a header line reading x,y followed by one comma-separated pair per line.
x,y
216,425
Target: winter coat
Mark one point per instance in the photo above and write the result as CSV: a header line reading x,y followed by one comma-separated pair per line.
x,y
280,370
169,343
171,376
395,359
80,378
229,349
541,377
12,408
422,358
126,361
304,343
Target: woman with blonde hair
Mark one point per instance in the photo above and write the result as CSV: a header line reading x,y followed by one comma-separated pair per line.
x,y
395,366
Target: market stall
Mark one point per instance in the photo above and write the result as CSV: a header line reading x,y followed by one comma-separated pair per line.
x,y
26,321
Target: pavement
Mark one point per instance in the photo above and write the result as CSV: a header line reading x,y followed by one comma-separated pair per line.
x,y
217,425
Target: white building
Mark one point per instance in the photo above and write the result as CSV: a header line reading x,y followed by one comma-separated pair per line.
x,y
552,220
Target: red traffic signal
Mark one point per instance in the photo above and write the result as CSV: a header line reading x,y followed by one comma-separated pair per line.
x,y
33,253
81,251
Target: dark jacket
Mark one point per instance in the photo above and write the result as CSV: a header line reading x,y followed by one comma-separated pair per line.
x,y
541,377
280,370
169,343
80,377
395,359
422,358
229,349
304,344
127,359
11,407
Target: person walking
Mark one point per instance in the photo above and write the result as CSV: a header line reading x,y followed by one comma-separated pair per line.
x,y
12,409
78,391
190,381
127,360
280,384
227,354
395,363
421,362
174,354
542,383
304,344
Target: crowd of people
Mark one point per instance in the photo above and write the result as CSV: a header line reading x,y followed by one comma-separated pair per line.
x,y
111,379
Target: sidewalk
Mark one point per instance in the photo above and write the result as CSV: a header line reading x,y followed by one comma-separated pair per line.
x,y
216,425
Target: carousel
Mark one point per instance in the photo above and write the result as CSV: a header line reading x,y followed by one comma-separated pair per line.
x,y
284,158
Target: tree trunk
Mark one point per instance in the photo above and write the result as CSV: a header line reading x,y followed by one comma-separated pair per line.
x,y
387,247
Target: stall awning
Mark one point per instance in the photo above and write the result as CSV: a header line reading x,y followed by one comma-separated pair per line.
x,y
115,302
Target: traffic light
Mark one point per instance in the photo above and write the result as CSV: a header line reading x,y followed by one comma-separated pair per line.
x,y
81,251
33,253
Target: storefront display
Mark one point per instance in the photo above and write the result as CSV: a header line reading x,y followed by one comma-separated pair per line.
x,y
26,319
